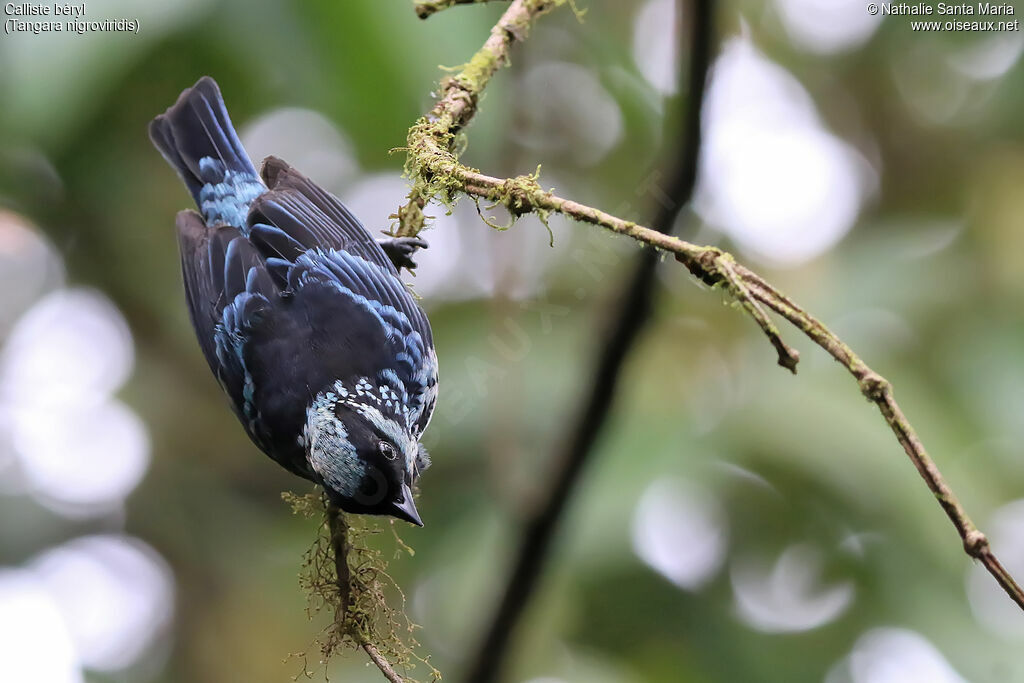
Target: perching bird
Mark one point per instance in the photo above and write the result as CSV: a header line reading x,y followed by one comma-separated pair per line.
x,y
328,361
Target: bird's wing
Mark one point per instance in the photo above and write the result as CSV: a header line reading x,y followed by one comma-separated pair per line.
x,y
297,219
297,216
311,216
203,251
231,298
381,308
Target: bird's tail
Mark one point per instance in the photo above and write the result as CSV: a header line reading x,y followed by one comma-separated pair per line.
x,y
196,137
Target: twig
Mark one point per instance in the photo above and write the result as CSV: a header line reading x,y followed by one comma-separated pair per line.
x,y
788,356
427,8
879,390
382,664
439,175
629,320
340,550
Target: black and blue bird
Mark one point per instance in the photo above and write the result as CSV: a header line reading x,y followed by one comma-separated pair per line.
x,y
326,357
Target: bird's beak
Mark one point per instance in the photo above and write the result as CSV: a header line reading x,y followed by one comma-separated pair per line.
x,y
406,508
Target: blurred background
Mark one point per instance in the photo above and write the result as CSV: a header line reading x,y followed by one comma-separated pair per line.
x,y
735,524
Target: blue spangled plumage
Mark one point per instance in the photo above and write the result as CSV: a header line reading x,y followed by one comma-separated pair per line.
x,y
226,195
409,355
326,357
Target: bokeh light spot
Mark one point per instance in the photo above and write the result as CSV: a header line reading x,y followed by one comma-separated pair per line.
x,y
115,593
827,26
35,644
305,139
654,45
893,655
788,596
681,532
772,177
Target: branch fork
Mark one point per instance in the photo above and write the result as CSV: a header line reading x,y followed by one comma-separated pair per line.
x,y
437,174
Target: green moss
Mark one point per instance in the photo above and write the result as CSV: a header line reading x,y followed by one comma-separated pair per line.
x,y
360,606
477,72
433,149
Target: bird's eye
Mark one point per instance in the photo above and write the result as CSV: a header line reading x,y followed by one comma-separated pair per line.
x,y
388,451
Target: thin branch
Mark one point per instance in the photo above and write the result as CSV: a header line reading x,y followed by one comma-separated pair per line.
x,y
427,8
788,356
629,320
879,390
339,551
382,664
439,175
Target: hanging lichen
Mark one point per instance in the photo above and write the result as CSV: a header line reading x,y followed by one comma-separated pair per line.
x,y
344,575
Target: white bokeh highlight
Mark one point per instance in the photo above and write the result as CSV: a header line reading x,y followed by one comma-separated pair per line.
x,y
80,451
35,643
72,347
29,267
305,139
990,57
681,532
788,596
96,457
773,177
893,655
654,45
96,603
827,26
115,594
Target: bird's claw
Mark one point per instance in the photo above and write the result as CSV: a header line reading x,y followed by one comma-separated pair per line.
x,y
401,249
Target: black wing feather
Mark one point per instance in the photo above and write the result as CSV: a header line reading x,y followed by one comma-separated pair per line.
x,y
202,268
218,265
312,216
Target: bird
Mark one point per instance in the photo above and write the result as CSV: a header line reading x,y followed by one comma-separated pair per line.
x,y
325,355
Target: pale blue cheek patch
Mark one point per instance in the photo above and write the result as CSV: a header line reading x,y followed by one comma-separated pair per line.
x,y
331,454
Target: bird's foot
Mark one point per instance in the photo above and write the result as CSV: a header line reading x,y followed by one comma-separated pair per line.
x,y
401,249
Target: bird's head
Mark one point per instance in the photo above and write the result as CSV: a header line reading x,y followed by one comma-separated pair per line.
x,y
364,454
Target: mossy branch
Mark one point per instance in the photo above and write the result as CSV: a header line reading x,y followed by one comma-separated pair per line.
x,y
340,549
437,175
345,574
431,162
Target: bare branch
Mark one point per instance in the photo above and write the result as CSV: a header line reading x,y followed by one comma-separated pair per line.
x,y
383,664
879,391
427,8
788,356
